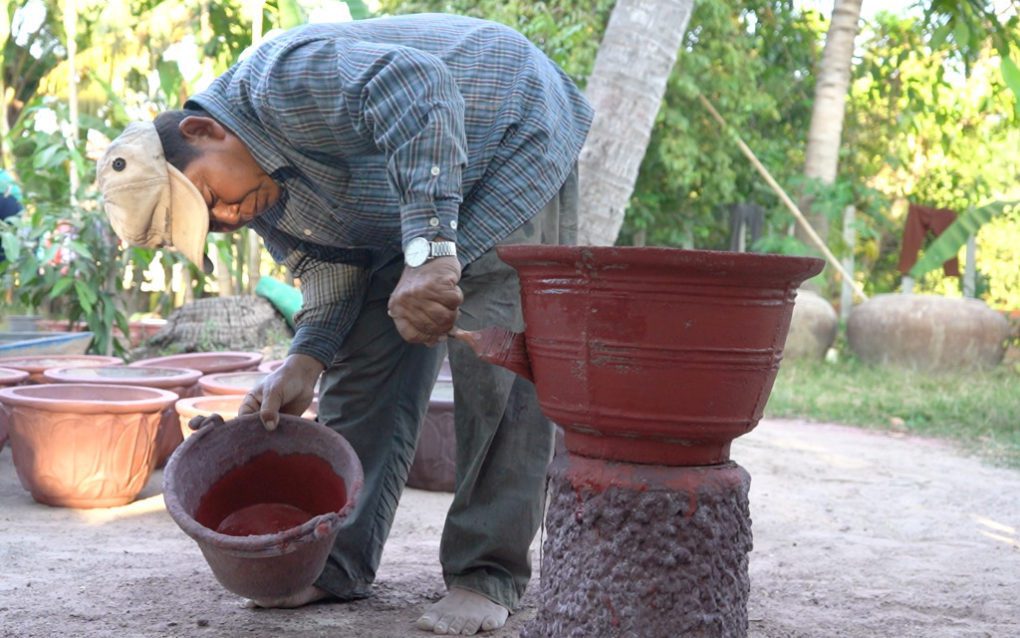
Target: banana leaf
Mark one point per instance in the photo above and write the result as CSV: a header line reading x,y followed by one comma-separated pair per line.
x,y
947,245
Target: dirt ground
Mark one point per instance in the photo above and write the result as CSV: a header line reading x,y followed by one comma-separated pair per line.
x,y
855,534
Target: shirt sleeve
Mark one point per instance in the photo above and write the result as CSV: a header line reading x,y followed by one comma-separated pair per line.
x,y
411,108
332,297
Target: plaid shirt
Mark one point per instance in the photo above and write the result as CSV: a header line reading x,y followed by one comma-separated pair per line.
x,y
388,129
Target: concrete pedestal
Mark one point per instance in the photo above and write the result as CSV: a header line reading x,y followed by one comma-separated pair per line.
x,y
644,550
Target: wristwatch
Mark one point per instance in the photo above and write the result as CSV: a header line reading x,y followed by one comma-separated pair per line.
x,y
419,250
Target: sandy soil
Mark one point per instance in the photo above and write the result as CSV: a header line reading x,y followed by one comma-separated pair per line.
x,y
856,534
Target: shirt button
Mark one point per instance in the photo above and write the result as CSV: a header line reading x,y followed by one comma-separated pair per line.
x,y
453,224
434,221
435,170
308,232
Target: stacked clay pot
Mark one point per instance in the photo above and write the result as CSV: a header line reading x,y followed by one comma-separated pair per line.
x,y
206,362
180,381
37,364
84,445
8,377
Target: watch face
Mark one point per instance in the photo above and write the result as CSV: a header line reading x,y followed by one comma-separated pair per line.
x,y
417,252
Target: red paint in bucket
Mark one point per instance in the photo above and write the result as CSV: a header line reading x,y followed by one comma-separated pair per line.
x,y
263,518
302,482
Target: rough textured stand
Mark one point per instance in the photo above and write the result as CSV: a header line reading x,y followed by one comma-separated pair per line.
x,y
644,550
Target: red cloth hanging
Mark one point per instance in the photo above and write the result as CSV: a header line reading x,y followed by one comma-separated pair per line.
x,y
920,221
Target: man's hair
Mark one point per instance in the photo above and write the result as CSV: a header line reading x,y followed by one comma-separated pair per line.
x,y
176,149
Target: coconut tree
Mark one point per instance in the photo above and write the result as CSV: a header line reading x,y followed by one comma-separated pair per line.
x,y
633,64
821,155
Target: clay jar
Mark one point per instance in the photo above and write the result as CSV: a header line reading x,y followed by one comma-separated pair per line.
x,y
35,365
206,362
8,377
180,381
84,445
655,355
435,464
225,469
230,382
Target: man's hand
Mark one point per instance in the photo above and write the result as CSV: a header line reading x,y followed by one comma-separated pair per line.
x,y
289,389
424,304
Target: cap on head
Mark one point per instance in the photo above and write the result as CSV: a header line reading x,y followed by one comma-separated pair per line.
x,y
148,201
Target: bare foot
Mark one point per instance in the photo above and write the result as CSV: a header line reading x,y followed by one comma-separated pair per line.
x,y
308,595
463,612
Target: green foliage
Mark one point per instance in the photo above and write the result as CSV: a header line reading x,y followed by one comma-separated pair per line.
x,y
949,242
568,31
754,62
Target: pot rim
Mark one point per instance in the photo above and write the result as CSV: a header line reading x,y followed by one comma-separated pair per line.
x,y
719,263
308,532
174,377
214,383
19,362
12,376
239,358
20,396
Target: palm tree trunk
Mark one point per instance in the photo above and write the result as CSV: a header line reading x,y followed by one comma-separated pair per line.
x,y
626,86
821,157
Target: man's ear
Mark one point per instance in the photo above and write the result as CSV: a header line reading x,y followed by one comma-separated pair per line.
x,y
198,127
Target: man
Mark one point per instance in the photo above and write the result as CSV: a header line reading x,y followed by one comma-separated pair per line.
x,y
382,161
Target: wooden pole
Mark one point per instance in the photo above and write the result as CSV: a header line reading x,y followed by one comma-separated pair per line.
x,y
799,216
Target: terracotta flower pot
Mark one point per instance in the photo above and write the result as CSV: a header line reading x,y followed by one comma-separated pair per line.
x,y
8,377
84,445
36,365
655,355
206,362
269,366
180,381
225,405
230,382
223,470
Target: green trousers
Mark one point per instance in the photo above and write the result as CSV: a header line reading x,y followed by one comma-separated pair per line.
x,y
376,393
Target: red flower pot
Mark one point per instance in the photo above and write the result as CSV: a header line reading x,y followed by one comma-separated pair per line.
x,y
82,445
655,355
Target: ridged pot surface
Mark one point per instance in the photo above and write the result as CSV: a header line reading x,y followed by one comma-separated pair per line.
x,y
224,468
180,381
655,355
84,446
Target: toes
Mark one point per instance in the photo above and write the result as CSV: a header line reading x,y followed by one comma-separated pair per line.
x,y
471,626
490,623
427,621
456,626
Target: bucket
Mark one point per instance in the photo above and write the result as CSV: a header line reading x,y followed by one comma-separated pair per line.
x,y
223,469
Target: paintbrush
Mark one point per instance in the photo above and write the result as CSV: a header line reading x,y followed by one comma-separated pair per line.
x,y
498,346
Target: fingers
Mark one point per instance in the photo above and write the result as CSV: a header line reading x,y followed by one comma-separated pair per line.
x,y
270,412
201,421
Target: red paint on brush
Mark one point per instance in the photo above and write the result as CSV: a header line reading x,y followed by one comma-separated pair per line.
x,y
498,346
302,481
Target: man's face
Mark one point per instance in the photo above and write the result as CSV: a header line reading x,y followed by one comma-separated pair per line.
x,y
234,187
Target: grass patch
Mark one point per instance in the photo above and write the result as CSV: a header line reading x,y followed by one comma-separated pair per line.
x,y
979,410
